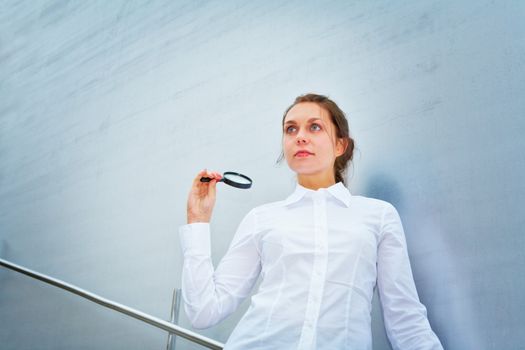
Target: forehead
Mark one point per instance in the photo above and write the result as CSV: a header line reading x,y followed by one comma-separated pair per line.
x,y
303,111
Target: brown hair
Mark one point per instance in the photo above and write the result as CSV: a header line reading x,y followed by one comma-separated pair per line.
x,y
342,131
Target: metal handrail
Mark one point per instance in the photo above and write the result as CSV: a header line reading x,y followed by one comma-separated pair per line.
x,y
152,320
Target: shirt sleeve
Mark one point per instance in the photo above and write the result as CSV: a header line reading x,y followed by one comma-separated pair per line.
x,y
404,315
211,295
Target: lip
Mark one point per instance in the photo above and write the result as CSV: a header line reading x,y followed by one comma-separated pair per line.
x,y
303,154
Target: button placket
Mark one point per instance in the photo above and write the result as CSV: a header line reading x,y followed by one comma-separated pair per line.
x,y
318,274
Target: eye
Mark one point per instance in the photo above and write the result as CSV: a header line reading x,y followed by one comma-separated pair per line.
x,y
317,125
289,128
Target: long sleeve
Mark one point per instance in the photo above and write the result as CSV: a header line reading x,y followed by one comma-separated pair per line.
x,y
405,316
211,295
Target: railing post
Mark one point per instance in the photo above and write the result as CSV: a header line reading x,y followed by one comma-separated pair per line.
x,y
174,318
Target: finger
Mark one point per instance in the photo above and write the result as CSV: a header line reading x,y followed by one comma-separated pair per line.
x,y
206,173
197,179
212,188
202,173
213,175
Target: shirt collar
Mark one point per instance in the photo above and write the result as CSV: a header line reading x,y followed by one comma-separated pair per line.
x,y
337,190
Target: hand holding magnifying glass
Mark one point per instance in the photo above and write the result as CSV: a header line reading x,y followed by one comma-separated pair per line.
x,y
233,179
201,198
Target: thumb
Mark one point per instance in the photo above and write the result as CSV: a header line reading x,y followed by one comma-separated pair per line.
x,y
212,187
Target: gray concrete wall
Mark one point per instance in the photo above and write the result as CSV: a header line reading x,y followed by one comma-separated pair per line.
x,y
108,110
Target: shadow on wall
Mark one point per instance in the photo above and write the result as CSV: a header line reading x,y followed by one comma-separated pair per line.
x,y
380,186
434,265
4,249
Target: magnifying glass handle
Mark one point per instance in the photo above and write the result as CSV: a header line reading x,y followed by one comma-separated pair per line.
x,y
208,179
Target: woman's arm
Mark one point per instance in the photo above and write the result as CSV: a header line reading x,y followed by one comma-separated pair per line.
x,y
405,317
209,296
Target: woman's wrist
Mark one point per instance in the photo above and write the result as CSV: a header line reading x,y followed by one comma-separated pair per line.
x,y
194,219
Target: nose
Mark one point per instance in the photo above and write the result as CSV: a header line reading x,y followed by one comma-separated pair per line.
x,y
300,140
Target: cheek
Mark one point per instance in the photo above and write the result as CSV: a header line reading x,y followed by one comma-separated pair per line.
x,y
287,145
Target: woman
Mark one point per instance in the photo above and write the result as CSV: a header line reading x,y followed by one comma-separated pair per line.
x,y
320,253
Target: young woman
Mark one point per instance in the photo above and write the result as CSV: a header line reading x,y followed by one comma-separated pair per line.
x,y
319,252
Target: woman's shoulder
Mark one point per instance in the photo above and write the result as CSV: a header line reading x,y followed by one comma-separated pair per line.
x,y
265,214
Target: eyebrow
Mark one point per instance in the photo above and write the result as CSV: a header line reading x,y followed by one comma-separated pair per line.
x,y
294,122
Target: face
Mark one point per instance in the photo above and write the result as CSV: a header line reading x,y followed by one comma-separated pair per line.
x,y
308,128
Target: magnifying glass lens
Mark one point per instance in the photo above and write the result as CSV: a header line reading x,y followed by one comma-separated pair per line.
x,y
237,179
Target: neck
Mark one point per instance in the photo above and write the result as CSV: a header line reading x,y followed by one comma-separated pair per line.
x,y
315,182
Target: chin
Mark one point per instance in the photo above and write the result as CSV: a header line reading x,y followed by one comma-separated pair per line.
x,y
306,171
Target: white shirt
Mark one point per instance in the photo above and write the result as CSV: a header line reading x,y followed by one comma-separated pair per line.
x,y
319,254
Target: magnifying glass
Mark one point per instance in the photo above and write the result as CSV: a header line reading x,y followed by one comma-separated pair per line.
x,y
233,179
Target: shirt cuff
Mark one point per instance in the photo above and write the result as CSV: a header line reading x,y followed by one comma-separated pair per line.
x,y
195,239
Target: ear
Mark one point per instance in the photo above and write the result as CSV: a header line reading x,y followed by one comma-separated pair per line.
x,y
342,144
